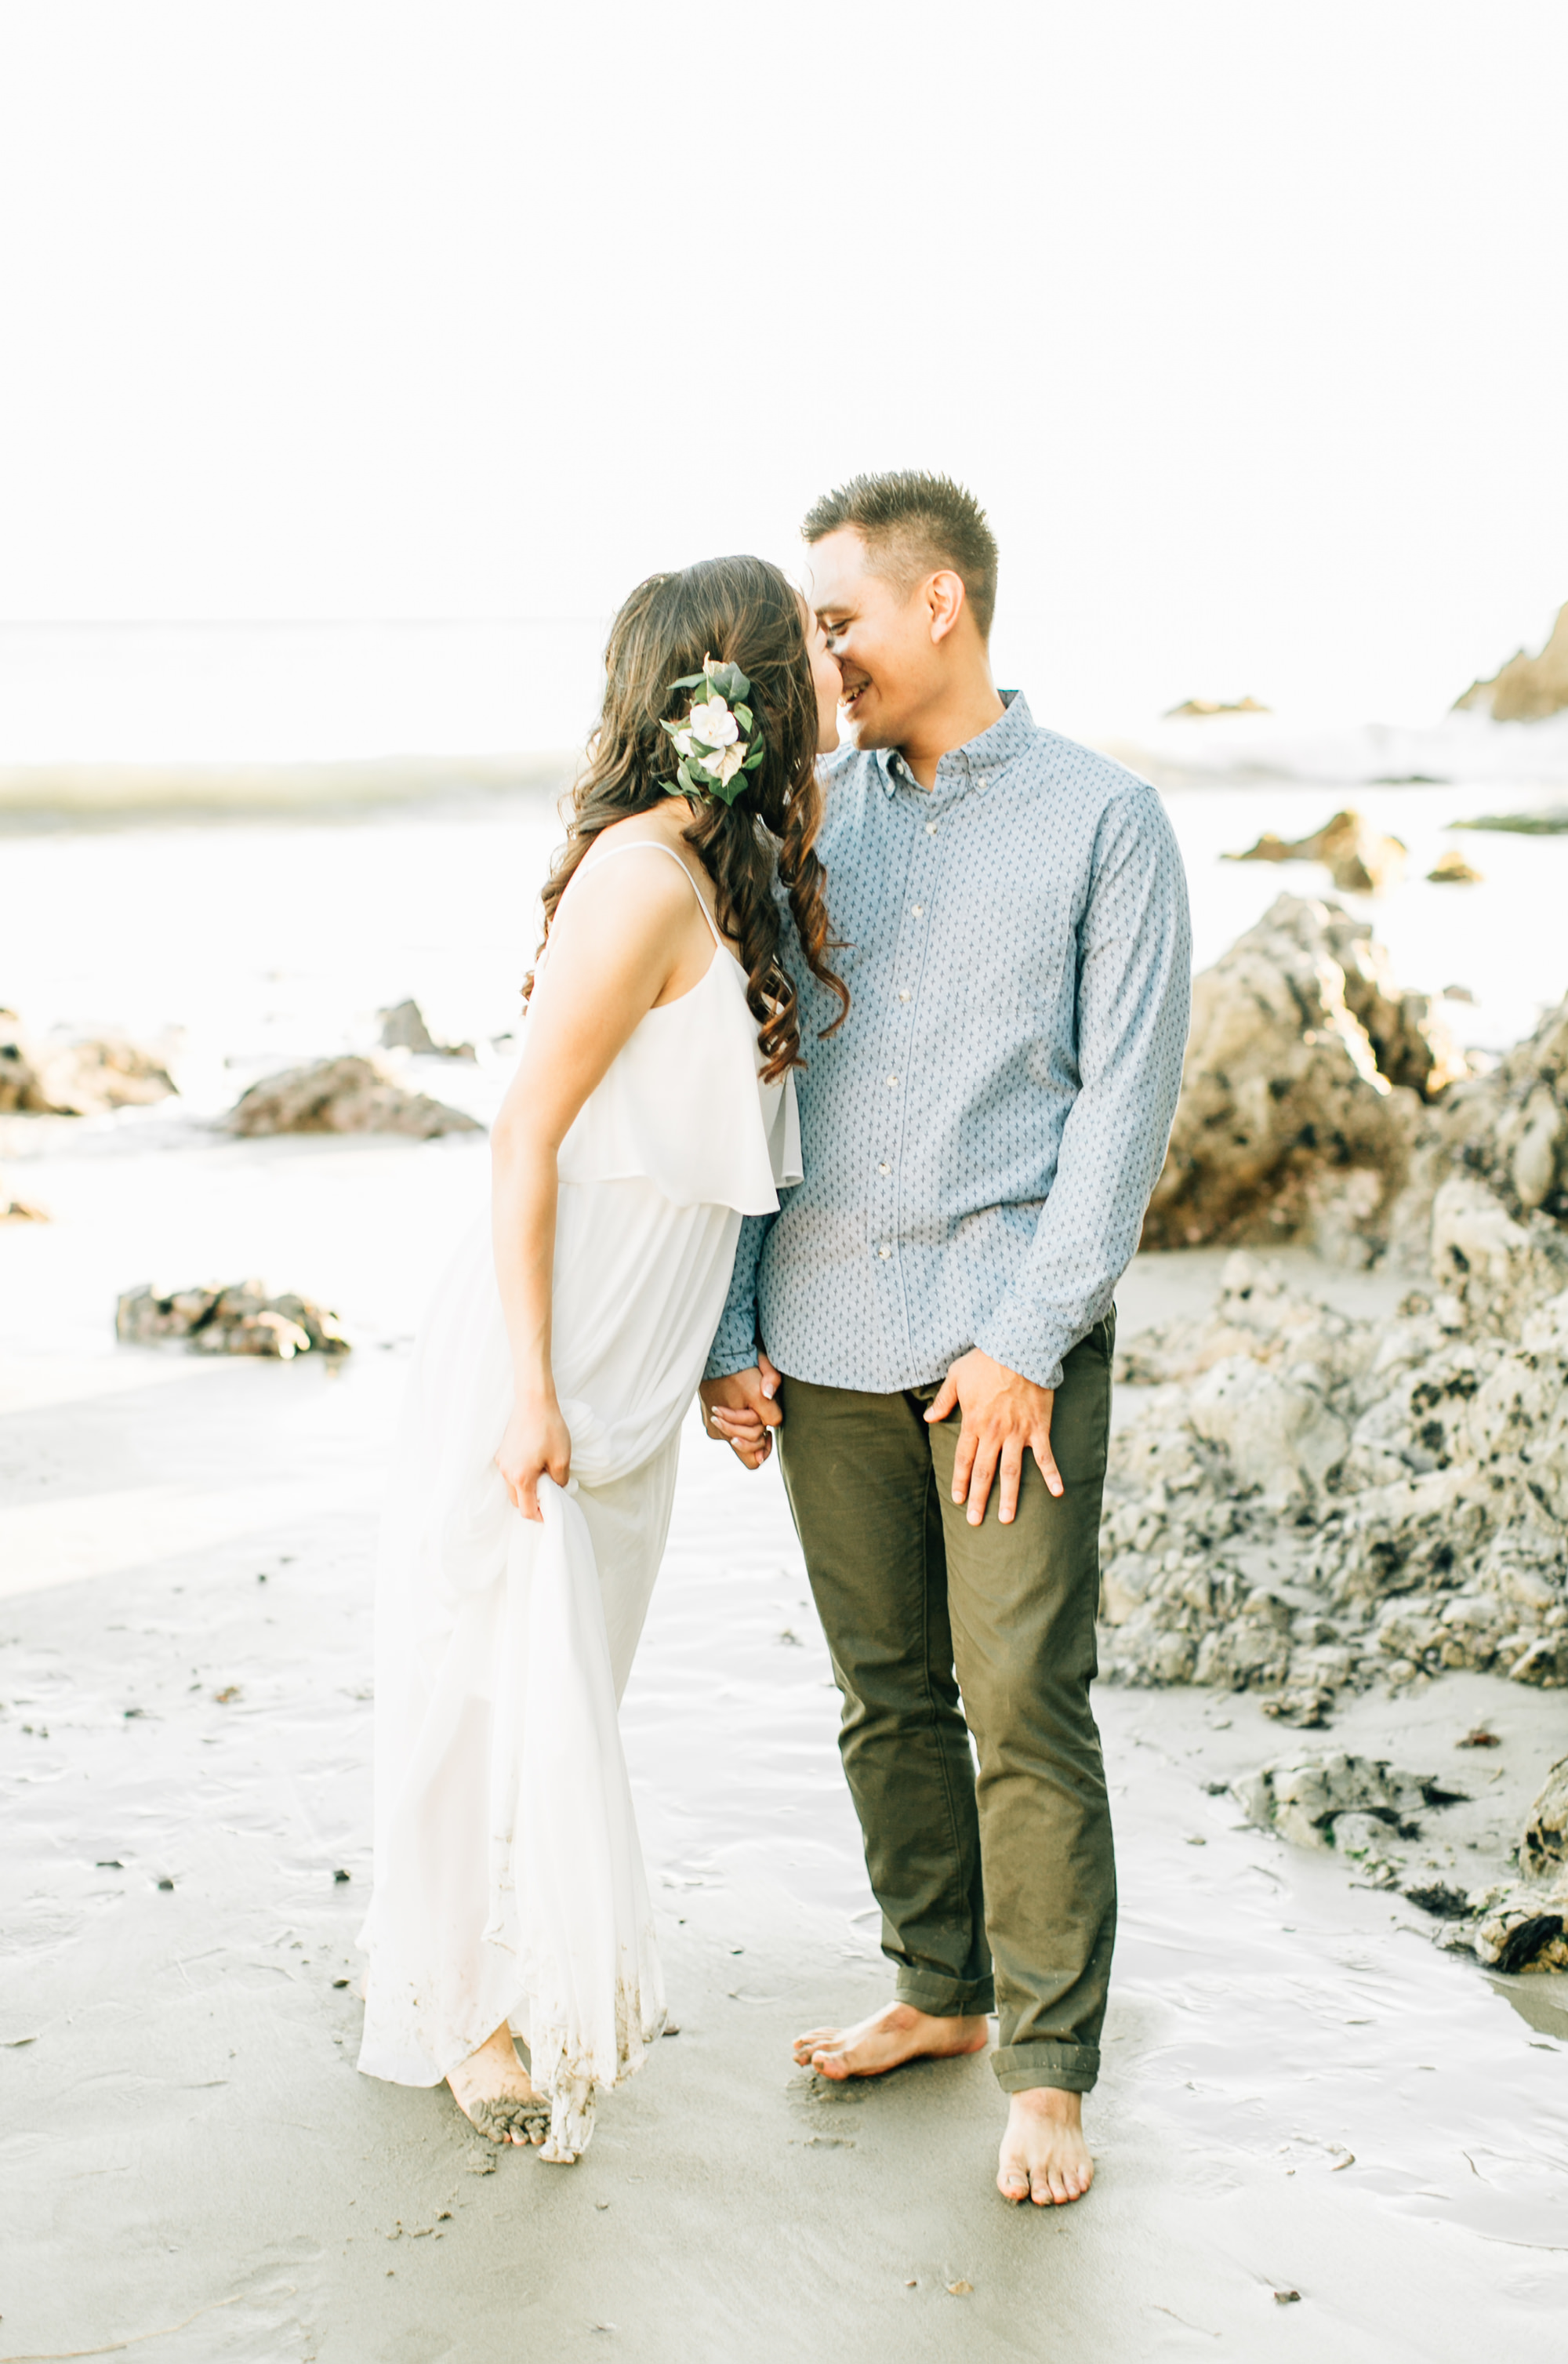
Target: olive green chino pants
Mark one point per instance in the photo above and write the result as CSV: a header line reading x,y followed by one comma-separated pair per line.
x,y
938,1630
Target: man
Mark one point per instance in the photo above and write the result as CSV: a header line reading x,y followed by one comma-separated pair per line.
x,y
929,1321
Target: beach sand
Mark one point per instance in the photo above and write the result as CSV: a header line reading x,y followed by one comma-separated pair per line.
x,y
1300,2093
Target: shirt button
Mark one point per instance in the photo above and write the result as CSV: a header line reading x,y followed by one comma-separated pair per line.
x,y
893,1082
903,996
884,1167
930,829
884,1250
920,911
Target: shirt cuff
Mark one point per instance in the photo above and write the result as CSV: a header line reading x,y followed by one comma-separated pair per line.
x,y
1037,1360
733,1349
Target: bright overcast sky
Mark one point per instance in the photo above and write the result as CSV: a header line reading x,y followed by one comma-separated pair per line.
x,y
1244,319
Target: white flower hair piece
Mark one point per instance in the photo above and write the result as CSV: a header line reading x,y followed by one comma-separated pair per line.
x,y
718,739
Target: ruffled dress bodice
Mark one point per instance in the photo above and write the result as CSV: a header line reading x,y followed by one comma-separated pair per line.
x,y
683,1105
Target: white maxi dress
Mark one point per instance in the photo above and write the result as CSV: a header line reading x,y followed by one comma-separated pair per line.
x,y
510,1883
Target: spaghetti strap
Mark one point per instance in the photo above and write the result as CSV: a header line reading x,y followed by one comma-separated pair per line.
x,y
652,845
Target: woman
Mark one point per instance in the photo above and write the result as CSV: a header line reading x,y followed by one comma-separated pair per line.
x,y
529,1496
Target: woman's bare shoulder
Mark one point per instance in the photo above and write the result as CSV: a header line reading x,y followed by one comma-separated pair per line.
x,y
665,829
648,897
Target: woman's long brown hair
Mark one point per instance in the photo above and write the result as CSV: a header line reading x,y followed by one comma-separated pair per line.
x,y
740,611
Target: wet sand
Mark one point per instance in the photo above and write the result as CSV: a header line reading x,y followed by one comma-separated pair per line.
x,y
1301,2092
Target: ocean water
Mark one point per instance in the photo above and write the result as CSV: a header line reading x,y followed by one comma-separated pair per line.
x,y
296,692
255,939
275,923
1454,750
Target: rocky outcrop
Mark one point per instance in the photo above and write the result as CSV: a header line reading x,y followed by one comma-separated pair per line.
x,y
402,1027
76,1075
1450,869
1357,858
351,1094
1304,1504
1552,822
1301,1099
1527,690
1508,1129
239,1320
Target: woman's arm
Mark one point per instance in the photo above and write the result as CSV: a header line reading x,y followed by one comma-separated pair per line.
x,y
620,939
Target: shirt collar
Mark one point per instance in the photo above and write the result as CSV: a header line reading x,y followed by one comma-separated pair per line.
x,y
977,762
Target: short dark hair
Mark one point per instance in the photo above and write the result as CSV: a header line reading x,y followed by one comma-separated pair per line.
x,y
913,524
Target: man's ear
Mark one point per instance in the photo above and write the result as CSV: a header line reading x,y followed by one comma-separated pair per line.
x,y
945,597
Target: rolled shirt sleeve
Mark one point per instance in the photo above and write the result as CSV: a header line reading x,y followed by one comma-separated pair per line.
x,y
1135,990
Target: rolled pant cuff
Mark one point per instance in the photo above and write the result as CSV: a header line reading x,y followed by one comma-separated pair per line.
x,y
1069,2067
946,1998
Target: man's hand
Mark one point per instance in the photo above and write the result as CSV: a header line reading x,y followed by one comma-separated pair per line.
x,y
1002,1415
741,1411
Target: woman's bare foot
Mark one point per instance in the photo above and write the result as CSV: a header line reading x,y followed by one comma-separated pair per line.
x,y
890,2036
1044,2157
492,2090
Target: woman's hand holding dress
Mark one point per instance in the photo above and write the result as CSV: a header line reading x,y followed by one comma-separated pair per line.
x,y
537,1444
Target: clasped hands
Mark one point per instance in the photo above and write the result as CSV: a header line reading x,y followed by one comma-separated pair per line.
x,y
1003,1416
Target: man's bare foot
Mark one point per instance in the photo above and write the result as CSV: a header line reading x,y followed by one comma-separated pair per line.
x,y
890,2036
1044,2157
494,2091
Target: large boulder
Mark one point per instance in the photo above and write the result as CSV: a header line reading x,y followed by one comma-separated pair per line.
x,y
1302,1089
351,1094
76,1075
1527,690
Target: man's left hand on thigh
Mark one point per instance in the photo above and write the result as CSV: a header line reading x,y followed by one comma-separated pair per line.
x,y
1003,1416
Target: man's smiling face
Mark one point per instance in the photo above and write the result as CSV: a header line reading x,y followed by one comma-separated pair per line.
x,y
880,635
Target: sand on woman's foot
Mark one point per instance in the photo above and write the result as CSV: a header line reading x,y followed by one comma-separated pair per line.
x,y
504,2121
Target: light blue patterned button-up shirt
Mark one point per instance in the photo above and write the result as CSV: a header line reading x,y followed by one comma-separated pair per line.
x,y
982,1136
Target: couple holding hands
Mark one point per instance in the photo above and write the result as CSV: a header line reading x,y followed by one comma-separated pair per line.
x,y
851,1057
